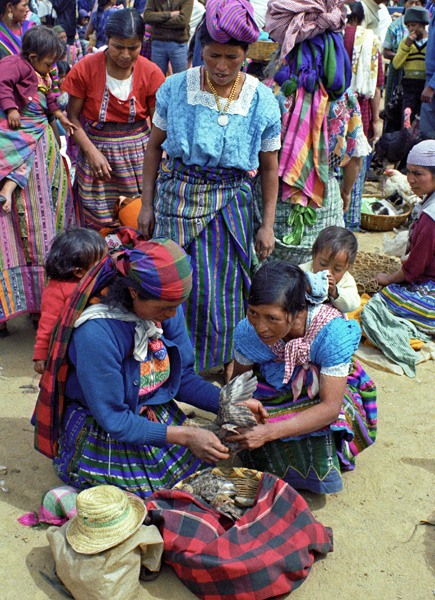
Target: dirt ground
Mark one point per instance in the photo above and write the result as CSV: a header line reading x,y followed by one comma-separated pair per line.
x,y
380,553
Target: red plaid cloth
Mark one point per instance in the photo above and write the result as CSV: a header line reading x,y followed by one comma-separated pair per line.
x,y
266,553
297,351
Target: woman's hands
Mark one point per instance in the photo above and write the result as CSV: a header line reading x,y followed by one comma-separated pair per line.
x,y
385,279
98,164
206,446
264,242
255,437
257,409
201,442
146,221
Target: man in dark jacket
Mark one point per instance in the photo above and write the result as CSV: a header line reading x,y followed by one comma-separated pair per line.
x,y
169,21
66,16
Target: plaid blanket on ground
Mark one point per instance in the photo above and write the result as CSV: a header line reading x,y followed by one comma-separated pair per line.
x,y
266,553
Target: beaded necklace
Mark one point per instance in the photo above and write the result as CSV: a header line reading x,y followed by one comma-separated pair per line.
x,y
223,118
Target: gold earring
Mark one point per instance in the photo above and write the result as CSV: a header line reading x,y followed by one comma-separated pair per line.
x,y
10,16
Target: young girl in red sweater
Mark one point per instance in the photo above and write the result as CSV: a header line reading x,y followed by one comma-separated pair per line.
x,y
70,257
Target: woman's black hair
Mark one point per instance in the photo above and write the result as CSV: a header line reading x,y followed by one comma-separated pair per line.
x,y
205,39
281,283
42,41
4,3
431,169
125,23
63,68
356,12
101,5
337,239
77,248
118,293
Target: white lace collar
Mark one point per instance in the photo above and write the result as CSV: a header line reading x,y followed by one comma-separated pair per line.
x,y
195,95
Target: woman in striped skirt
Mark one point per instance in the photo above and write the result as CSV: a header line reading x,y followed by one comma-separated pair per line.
x,y
321,405
410,291
114,92
119,423
216,125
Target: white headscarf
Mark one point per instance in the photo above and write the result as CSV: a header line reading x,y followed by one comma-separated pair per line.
x,y
422,154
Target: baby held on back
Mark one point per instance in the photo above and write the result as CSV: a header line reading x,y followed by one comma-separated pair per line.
x,y
335,251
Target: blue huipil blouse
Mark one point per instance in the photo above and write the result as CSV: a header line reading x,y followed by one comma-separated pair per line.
x,y
332,347
189,115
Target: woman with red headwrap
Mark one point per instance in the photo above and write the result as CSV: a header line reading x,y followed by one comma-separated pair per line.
x,y
217,125
129,356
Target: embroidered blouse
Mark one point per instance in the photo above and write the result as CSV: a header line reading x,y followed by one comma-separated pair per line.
x,y
189,116
331,350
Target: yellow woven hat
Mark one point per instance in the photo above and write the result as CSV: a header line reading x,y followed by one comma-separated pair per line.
x,y
106,516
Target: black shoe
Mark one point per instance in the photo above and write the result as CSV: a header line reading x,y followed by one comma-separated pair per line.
x,y
4,332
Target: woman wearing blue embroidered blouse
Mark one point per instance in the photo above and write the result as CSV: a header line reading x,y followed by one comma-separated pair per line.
x,y
216,125
320,402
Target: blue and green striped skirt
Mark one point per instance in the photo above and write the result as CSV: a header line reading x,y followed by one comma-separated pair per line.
x,y
208,212
315,461
415,302
88,456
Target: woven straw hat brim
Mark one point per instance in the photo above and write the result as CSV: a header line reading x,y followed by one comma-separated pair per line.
x,y
85,540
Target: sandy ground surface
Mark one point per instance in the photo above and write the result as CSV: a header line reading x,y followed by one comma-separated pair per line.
x,y
379,552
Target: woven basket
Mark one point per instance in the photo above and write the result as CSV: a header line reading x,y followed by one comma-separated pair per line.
x,y
246,481
365,267
384,222
262,50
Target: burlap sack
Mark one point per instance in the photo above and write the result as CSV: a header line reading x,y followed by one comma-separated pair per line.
x,y
111,574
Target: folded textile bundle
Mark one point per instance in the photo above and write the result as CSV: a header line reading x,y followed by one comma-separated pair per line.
x,y
289,22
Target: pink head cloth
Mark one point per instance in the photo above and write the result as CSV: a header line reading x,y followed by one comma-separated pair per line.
x,y
228,19
289,22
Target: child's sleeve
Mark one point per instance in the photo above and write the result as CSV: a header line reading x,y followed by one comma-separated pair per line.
x,y
52,103
52,302
8,79
348,297
401,55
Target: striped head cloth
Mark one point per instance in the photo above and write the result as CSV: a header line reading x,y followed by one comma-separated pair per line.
x,y
422,154
228,19
160,266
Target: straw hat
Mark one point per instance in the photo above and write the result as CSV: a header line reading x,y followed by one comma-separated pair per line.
x,y
106,516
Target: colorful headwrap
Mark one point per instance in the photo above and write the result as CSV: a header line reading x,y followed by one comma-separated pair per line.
x,y
228,19
422,154
160,266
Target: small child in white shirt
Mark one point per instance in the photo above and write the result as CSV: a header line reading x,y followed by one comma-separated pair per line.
x,y
335,250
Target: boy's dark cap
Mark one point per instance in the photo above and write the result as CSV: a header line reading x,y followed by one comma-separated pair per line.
x,y
416,14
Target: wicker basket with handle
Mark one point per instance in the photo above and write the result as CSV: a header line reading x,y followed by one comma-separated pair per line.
x,y
384,222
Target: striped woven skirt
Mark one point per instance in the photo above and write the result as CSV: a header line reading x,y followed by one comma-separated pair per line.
x,y
88,456
315,462
123,146
415,302
40,210
208,212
